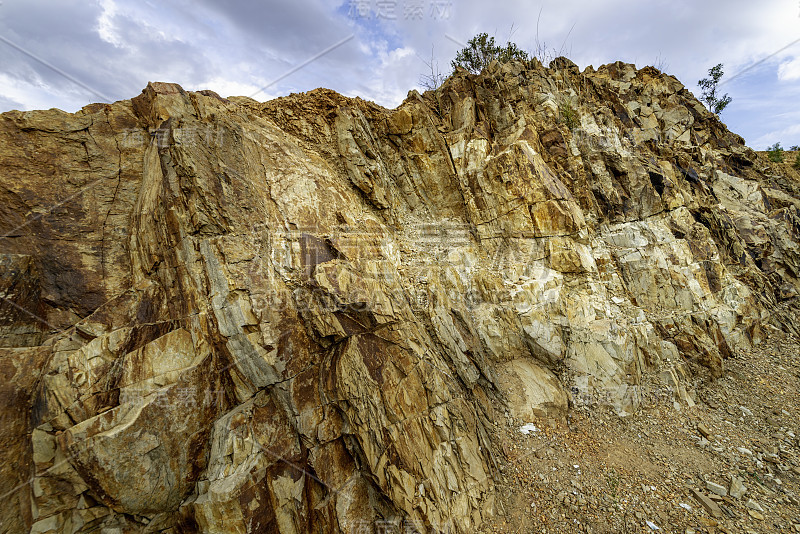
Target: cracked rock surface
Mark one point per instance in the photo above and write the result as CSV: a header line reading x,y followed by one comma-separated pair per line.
x,y
308,315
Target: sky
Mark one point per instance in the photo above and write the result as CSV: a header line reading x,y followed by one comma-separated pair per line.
x,y
69,53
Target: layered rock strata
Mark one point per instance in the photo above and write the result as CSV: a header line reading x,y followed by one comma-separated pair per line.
x,y
306,315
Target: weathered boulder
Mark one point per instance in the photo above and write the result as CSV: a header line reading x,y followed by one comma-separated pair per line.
x,y
531,390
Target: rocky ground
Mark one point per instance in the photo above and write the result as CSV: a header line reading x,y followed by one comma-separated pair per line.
x,y
731,463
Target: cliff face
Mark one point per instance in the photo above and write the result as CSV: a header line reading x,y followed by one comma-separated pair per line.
x,y
306,315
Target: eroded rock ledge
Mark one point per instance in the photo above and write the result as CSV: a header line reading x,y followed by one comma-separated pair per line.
x,y
304,315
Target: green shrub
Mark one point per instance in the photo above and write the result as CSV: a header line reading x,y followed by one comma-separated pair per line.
x,y
567,115
481,50
797,161
775,153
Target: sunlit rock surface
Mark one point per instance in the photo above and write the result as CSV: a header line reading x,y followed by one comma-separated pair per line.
x,y
306,315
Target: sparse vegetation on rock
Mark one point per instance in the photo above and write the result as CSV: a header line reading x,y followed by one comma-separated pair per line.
x,y
567,114
709,85
775,153
481,50
433,77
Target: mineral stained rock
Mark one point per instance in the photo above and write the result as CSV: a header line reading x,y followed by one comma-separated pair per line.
x,y
306,315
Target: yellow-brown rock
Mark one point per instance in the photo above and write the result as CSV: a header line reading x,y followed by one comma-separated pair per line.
x,y
304,315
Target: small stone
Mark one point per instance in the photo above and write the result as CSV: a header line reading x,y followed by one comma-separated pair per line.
x,y
652,525
704,431
736,488
709,523
710,506
753,505
746,452
756,515
773,423
728,512
716,488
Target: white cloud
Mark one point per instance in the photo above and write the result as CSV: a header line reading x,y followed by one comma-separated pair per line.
x,y
781,135
105,23
225,87
789,70
29,94
389,81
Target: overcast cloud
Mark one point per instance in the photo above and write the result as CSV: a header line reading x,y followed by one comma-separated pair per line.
x,y
111,48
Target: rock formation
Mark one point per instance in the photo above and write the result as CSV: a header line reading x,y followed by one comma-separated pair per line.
x,y
306,315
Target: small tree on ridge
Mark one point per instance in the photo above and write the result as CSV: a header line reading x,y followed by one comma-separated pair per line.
x,y
481,50
709,86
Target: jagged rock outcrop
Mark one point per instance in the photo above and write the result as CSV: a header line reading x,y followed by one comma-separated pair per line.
x,y
305,315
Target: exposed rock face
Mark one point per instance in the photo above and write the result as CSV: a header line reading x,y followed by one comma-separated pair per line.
x,y
305,315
